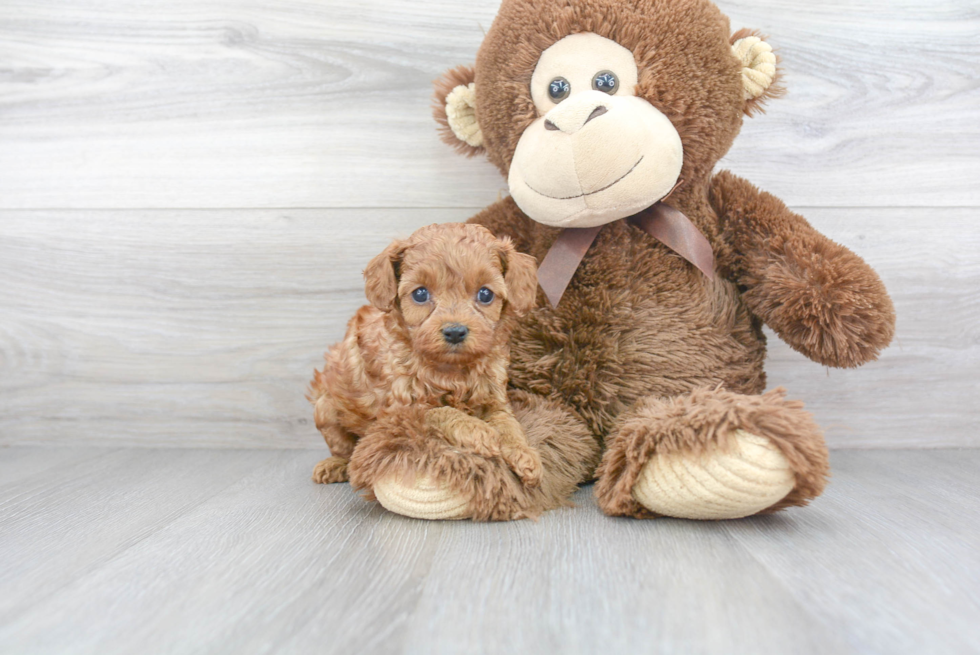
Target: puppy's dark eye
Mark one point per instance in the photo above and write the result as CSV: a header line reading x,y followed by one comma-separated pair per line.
x,y
558,89
605,81
420,295
485,296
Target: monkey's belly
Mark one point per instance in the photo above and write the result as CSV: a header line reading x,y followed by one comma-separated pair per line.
x,y
613,344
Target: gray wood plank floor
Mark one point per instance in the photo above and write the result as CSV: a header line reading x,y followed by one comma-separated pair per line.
x,y
236,551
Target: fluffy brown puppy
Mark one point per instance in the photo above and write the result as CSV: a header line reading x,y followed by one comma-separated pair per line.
x,y
595,111
433,343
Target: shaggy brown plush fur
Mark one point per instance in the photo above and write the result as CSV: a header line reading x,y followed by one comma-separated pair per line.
x,y
644,353
683,50
818,296
397,363
699,422
396,446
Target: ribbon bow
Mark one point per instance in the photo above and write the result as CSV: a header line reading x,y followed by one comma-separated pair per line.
x,y
661,221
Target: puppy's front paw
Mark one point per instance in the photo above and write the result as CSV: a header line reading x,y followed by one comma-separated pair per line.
x,y
463,431
332,469
526,463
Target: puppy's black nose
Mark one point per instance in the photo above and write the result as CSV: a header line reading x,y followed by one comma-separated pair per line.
x,y
455,333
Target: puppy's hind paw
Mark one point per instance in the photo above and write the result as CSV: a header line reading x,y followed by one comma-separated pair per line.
x,y
332,469
526,463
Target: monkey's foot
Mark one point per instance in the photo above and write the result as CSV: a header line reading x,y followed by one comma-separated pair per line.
x,y
751,476
712,454
413,471
425,499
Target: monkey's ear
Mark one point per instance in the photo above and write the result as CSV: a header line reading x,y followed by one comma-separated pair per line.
x,y
381,277
454,108
520,276
760,75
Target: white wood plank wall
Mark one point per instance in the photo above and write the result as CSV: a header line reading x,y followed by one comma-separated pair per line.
x,y
189,190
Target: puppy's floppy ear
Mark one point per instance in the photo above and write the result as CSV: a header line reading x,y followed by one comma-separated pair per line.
x,y
381,276
520,276
454,108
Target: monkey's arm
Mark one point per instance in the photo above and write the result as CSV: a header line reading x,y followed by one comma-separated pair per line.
x,y
818,296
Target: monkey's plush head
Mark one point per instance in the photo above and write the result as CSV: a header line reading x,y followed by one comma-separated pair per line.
x,y
596,109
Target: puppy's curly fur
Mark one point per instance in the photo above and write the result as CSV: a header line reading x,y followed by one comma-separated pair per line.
x,y
432,344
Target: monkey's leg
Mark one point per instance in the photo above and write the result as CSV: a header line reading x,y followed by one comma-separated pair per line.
x,y
411,473
711,454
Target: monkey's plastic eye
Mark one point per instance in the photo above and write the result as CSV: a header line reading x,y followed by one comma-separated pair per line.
x,y
485,296
558,89
420,295
605,81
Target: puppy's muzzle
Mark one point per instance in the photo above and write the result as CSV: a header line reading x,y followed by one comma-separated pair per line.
x,y
455,333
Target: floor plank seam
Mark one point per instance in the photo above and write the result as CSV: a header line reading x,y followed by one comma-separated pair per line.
x,y
95,566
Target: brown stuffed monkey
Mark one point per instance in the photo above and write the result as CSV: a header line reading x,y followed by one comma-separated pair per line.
x,y
642,364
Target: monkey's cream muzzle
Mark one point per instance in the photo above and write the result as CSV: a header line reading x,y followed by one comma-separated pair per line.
x,y
593,159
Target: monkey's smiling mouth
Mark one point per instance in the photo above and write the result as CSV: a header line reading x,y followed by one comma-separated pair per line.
x,y
582,195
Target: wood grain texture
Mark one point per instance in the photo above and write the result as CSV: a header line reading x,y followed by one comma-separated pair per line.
x,y
163,327
908,526
158,328
72,517
885,561
23,464
139,308
215,104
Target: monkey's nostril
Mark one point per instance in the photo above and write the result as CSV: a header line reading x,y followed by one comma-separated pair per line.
x,y
548,125
454,333
596,113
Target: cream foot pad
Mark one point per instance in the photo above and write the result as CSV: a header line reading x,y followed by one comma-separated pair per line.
x,y
750,477
426,499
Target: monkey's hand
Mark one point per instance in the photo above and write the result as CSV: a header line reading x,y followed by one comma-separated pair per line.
x,y
818,296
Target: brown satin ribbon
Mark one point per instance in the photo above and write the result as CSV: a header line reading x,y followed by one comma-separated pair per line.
x,y
661,221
